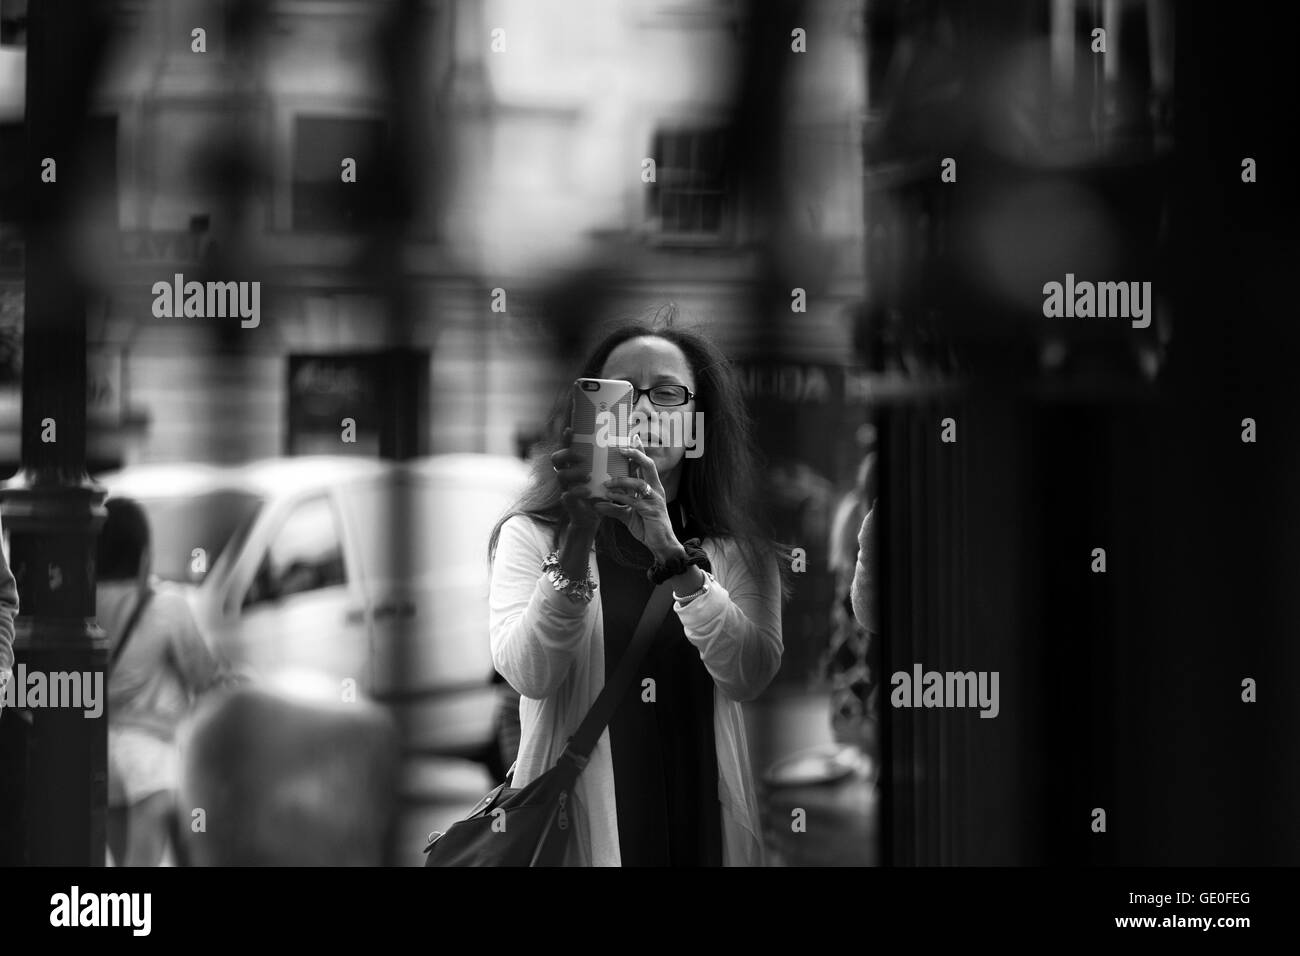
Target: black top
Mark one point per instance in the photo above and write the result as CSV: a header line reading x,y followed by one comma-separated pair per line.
x,y
665,761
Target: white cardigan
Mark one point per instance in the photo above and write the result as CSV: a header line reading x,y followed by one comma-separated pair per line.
x,y
552,650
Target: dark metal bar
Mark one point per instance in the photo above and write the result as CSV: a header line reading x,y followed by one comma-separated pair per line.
x,y
54,805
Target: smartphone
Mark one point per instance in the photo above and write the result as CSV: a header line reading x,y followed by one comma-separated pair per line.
x,y
600,416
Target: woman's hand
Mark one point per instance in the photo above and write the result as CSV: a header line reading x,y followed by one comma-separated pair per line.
x,y
574,471
640,504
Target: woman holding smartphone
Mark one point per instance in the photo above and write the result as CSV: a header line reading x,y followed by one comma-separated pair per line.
x,y
669,782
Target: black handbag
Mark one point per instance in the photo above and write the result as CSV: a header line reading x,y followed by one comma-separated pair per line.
x,y
530,826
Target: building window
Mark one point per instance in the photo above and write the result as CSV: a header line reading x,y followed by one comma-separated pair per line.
x,y
13,23
380,395
688,200
322,201
326,389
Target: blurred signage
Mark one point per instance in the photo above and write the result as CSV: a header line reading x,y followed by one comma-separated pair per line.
x,y
326,393
798,384
163,246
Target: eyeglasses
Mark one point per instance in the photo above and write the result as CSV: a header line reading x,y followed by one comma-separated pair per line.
x,y
664,395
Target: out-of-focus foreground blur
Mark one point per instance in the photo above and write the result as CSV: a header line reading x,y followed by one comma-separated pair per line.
x,y
443,202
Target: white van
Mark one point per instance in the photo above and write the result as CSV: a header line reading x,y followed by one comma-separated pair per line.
x,y
373,573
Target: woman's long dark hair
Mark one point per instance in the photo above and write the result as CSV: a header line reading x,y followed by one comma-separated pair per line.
x,y
720,487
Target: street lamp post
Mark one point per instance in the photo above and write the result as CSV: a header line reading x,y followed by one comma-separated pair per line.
x,y
55,757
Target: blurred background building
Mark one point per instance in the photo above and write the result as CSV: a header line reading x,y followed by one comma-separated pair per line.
x,y
538,155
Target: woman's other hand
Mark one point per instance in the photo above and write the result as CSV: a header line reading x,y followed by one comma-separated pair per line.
x,y
574,471
640,504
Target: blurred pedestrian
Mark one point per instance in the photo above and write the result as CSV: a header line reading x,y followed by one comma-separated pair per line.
x,y
848,657
669,782
159,665
8,611
865,576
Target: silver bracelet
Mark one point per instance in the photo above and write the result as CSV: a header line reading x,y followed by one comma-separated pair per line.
x,y
579,592
687,598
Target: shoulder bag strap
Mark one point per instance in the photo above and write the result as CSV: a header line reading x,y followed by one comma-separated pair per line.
x,y
584,739
132,621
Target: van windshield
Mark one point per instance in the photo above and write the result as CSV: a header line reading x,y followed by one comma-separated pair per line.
x,y
212,522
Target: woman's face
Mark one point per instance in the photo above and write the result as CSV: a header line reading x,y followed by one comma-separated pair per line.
x,y
646,362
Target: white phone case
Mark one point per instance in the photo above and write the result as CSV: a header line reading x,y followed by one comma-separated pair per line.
x,y
600,417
